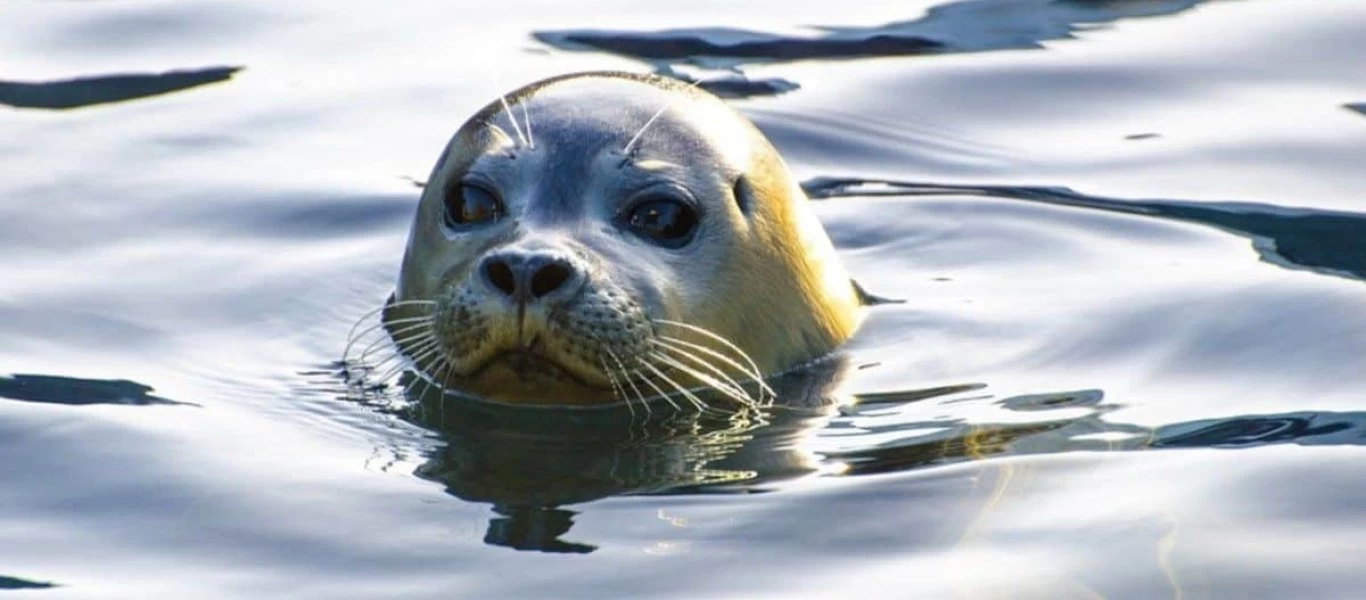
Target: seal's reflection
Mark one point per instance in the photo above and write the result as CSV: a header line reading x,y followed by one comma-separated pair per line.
x,y
530,462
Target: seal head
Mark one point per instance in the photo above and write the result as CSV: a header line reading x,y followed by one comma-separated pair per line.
x,y
606,237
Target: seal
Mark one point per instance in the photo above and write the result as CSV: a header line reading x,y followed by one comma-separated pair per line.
x,y
605,238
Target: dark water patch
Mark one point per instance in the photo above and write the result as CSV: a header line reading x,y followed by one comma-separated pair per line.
x,y
53,389
908,396
534,528
1059,428
1306,428
967,26
15,583
735,85
696,45
104,89
1326,242
938,441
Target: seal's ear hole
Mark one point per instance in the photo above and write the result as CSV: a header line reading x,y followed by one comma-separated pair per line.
x,y
744,195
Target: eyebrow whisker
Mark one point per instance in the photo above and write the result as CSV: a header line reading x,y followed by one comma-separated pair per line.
x,y
512,117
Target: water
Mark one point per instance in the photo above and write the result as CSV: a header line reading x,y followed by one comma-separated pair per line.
x,y
1128,234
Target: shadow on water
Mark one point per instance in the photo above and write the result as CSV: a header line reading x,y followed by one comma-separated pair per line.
x,y
957,27
1331,243
104,89
529,464
52,389
15,583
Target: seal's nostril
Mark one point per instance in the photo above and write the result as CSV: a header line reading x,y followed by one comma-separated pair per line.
x,y
549,278
500,275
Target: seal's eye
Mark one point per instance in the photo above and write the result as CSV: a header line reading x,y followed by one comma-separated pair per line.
x,y
665,221
469,204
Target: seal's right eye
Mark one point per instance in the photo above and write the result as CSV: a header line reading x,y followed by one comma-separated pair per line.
x,y
469,204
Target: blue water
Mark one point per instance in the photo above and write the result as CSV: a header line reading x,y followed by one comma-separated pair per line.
x,y
1130,237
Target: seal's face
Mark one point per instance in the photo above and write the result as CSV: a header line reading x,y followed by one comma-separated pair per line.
x,y
602,237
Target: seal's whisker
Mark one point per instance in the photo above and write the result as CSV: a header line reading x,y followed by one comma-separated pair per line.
x,y
703,363
727,390
630,144
399,338
444,383
626,150
512,117
416,337
363,318
353,337
424,351
418,345
420,339
408,302
433,362
403,334
406,320
630,380
428,352
347,352
617,391
375,367
662,394
423,342
419,332
526,118
737,394
399,357
445,372
687,394
753,367
752,372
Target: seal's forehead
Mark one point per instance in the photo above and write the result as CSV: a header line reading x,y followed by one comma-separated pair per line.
x,y
610,112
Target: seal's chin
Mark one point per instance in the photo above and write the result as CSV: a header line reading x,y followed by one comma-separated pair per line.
x,y
530,378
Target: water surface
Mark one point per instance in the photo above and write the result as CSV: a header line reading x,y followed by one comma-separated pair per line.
x,y
1128,236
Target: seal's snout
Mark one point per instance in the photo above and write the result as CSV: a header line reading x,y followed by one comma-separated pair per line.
x,y
528,276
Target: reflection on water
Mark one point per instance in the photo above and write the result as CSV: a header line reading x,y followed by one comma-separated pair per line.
x,y
15,583
52,389
1332,243
965,26
103,89
528,464
1307,428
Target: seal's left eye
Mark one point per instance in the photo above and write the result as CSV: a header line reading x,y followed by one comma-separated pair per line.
x,y
665,221
468,204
